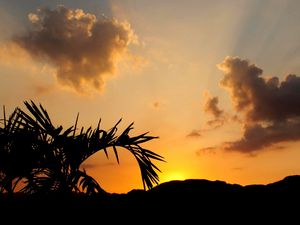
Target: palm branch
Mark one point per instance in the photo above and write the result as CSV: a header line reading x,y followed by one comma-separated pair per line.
x,y
62,152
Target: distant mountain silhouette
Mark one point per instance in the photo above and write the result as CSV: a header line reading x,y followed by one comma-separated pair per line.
x,y
201,186
185,201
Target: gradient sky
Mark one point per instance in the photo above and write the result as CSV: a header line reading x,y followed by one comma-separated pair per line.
x,y
163,75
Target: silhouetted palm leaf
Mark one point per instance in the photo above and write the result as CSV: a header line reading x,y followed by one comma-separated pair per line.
x,y
53,156
17,151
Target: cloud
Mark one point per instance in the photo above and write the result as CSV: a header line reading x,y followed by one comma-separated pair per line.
x,y
194,134
94,165
207,150
216,123
42,89
270,107
156,104
238,168
259,98
211,106
257,137
12,55
83,49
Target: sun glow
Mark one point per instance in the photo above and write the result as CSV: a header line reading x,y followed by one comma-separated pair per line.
x,y
175,175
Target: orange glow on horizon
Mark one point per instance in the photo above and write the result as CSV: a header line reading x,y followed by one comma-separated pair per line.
x,y
173,175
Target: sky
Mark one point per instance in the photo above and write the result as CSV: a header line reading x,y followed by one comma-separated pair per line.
x,y
217,81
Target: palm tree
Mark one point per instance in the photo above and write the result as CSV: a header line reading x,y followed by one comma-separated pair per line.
x,y
54,156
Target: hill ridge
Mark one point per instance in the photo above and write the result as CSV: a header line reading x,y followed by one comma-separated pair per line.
x,y
289,182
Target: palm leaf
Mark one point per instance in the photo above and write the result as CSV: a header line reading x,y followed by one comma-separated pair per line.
x,y
55,155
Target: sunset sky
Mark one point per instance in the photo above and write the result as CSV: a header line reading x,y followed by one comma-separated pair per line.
x,y
216,80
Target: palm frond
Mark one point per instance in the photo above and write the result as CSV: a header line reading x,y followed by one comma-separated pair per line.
x,y
49,157
88,184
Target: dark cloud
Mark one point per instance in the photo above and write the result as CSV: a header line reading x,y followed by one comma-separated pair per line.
x,y
216,123
259,98
195,134
83,49
270,107
257,137
211,106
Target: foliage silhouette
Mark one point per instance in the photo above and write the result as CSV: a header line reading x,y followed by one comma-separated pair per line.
x,y
47,159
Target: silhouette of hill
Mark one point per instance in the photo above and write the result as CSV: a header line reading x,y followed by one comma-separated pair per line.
x,y
201,186
173,201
